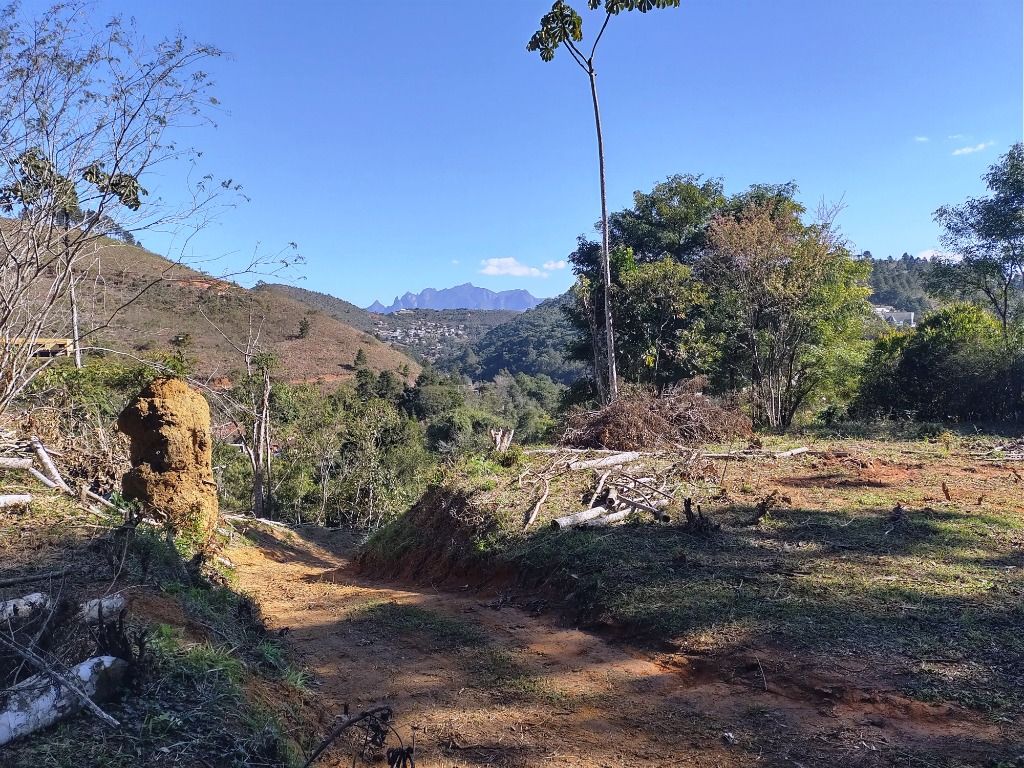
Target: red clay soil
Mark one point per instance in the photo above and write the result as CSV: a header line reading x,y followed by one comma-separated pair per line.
x,y
575,698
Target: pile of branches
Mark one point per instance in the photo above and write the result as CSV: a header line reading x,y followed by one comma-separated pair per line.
x,y
624,485
641,421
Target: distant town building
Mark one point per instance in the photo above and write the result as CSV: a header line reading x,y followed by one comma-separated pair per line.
x,y
895,317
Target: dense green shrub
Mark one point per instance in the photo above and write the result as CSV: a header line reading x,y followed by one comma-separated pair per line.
x,y
954,365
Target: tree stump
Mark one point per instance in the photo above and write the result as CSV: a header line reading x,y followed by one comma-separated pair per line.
x,y
171,453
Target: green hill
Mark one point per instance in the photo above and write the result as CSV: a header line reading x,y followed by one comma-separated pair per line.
x,y
534,342
900,283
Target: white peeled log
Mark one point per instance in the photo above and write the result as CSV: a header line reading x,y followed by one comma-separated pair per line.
x,y
15,500
49,466
23,607
606,520
110,606
38,702
792,452
568,521
15,462
607,461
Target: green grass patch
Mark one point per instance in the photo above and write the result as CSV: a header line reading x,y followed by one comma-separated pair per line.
x,y
415,623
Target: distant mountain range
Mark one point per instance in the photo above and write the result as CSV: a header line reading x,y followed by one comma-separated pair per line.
x,y
465,296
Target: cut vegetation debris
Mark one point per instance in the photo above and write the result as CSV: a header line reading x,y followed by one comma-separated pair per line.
x,y
641,421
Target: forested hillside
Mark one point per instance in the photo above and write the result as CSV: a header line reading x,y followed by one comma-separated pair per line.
x,y
900,283
534,342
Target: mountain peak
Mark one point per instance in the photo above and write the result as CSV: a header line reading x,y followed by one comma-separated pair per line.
x,y
465,296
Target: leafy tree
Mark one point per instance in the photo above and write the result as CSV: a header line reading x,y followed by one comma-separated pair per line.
x,y
670,220
659,313
789,297
304,326
988,235
953,365
360,359
562,25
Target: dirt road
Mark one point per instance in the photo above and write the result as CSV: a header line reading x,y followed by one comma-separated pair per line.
x,y
480,682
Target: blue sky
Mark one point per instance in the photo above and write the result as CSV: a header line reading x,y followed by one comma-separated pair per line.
x,y
402,144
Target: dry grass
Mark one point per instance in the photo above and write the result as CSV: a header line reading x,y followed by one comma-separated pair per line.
x,y
190,304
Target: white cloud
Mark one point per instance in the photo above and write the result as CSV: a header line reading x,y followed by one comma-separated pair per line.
x,y
956,137
509,266
455,262
921,139
551,266
934,255
972,149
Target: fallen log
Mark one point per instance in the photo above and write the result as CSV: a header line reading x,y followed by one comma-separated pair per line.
x,y
659,514
34,577
23,607
91,611
251,519
44,699
86,493
608,461
792,452
49,466
536,507
605,520
7,462
568,521
597,491
15,500
42,478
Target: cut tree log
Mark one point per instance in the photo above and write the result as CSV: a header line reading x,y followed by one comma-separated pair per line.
x,y
659,514
105,607
607,461
792,452
34,577
44,699
8,462
536,507
24,607
49,466
597,491
42,478
263,520
605,520
87,494
568,521
15,500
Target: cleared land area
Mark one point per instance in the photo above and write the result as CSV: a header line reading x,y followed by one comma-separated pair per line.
x,y
867,613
